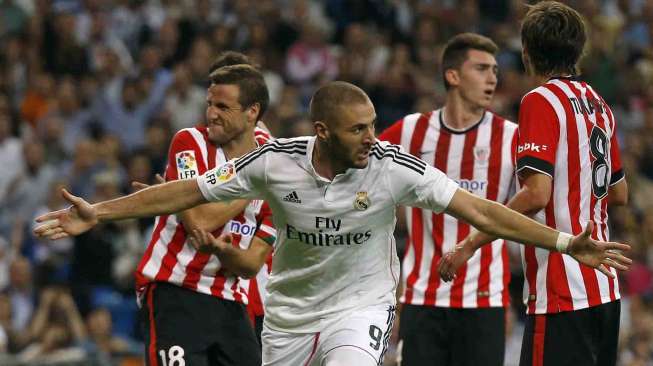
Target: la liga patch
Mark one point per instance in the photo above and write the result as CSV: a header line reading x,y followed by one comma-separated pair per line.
x,y
186,164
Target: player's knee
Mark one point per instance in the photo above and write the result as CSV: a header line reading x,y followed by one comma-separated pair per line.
x,y
347,356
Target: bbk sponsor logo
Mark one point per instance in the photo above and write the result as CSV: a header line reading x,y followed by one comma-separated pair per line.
x,y
529,146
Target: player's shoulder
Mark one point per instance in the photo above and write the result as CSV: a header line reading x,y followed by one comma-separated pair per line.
x,y
507,124
262,136
294,147
392,158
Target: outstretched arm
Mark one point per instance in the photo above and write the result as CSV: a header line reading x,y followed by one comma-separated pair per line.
x,y
156,200
500,221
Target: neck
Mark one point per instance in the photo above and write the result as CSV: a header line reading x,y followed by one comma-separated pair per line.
x,y
324,165
240,145
460,114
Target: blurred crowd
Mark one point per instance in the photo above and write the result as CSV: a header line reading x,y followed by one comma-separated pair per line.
x,y
91,92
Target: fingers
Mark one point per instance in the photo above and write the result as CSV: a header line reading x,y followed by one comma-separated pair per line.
x,y
50,216
45,226
605,271
588,229
618,257
71,197
159,179
617,246
138,185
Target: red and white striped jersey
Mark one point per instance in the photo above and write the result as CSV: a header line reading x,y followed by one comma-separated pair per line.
x,y
567,131
257,289
169,258
481,160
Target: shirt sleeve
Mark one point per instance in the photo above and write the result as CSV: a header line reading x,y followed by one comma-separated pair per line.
x,y
538,131
240,178
266,230
615,159
392,134
415,183
185,159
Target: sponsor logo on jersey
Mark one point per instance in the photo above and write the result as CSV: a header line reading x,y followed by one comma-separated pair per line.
x,y
323,239
241,228
292,197
186,164
362,202
472,185
532,147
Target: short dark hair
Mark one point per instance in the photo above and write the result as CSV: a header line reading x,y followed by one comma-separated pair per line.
x,y
328,99
229,58
456,51
250,83
553,35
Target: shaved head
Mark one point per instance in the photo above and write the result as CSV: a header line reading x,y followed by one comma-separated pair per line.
x,y
328,101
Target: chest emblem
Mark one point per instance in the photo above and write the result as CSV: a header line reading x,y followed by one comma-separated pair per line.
x,y
481,155
362,202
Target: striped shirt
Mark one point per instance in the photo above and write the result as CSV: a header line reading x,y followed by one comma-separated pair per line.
x,y
170,258
568,132
335,252
481,160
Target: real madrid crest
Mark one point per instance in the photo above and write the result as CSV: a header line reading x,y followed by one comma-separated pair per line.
x,y
362,202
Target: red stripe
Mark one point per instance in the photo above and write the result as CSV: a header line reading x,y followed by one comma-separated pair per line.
x,y
317,337
170,259
531,277
416,239
494,182
141,280
194,270
557,283
505,293
151,349
588,273
466,172
437,232
218,284
538,340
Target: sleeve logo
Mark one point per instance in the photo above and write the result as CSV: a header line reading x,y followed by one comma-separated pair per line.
x,y
186,164
221,174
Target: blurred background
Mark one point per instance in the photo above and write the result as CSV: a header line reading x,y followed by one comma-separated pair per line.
x,y
91,92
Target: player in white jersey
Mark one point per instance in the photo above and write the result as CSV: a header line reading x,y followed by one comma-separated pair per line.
x,y
335,270
459,323
569,171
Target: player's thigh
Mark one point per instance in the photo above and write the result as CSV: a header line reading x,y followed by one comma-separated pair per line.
x,y
283,348
235,340
367,329
424,336
171,337
573,338
479,338
347,356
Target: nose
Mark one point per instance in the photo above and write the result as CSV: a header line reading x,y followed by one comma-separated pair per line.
x,y
369,136
211,113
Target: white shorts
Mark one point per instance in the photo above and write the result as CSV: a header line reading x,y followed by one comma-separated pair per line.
x,y
366,331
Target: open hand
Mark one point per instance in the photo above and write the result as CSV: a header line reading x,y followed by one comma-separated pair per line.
x,y
74,220
598,254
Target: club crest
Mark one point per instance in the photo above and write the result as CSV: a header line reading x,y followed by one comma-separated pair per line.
x,y
362,202
481,154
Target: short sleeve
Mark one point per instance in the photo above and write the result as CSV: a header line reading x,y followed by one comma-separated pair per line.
x,y
240,178
266,230
538,134
392,134
413,182
185,159
615,159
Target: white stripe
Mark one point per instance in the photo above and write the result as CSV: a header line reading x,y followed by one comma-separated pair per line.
x,y
496,274
576,283
201,143
479,173
160,247
542,258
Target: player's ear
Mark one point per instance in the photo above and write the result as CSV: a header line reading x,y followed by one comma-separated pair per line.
x,y
253,112
452,77
321,130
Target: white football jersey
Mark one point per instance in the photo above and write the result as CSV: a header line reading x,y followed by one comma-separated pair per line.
x,y
335,250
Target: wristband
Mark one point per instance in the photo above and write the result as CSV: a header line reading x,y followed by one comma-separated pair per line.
x,y
563,242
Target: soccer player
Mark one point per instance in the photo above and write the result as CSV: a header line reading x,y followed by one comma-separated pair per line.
x,y
334,273
461,323
569,171
178,284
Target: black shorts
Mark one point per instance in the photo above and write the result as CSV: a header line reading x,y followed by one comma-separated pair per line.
x,y
195,329
457,337
586,337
